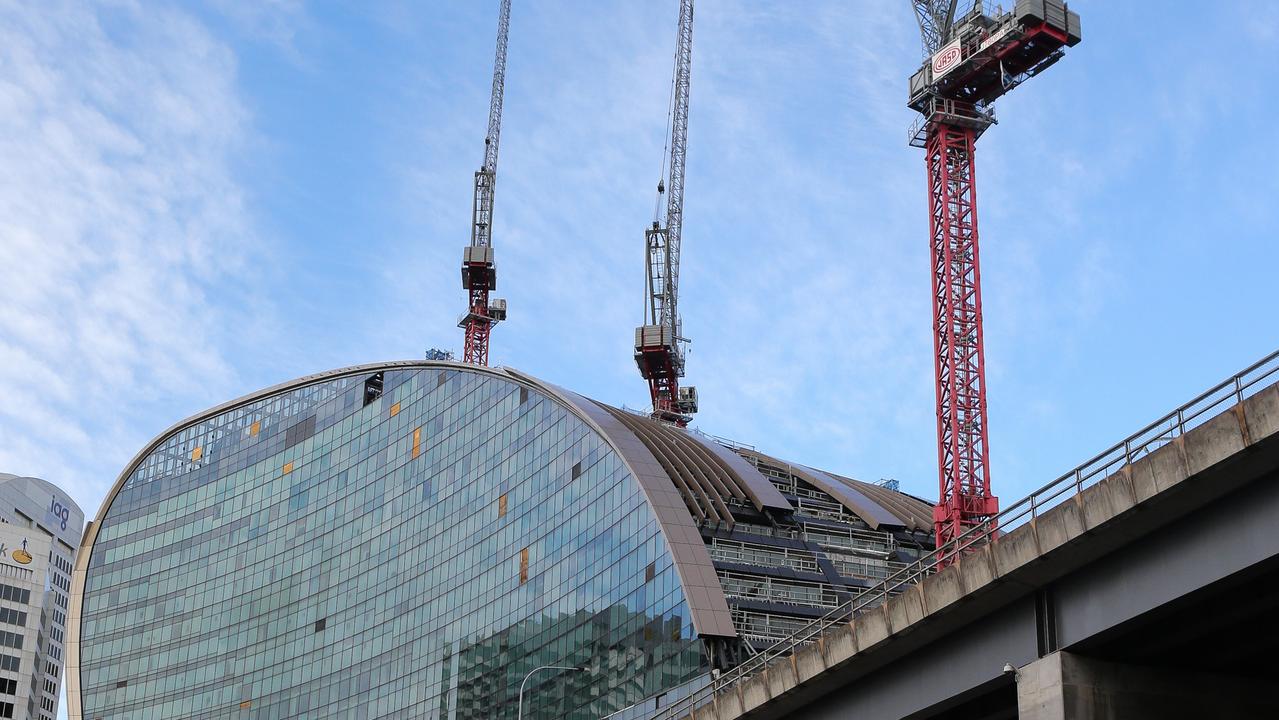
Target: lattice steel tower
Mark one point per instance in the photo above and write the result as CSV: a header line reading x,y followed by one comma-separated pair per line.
x,y
479,273
659,344
970,60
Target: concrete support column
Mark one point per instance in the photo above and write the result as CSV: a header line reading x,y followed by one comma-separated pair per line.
x,y
1064,686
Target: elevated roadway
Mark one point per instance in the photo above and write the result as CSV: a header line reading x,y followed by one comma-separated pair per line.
x,y
1143,584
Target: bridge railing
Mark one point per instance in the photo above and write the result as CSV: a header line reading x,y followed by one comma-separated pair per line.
x,y
1136,446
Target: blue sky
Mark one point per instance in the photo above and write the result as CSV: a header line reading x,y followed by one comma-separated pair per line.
x,y
199,200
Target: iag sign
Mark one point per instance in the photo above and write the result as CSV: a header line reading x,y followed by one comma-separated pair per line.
x,y
59,514
947,59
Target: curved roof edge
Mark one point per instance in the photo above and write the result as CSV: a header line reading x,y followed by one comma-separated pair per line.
x,y
707,604
709,477
765,493
867,509
45,484
71,670
915,513
878,507
705,595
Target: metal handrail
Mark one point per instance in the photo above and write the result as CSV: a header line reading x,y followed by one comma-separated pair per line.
x,y
729,443
1150,438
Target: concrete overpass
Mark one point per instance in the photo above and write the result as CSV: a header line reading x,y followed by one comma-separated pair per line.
x,y
1143,584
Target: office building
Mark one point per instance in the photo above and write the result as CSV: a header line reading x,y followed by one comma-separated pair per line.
x,y
410,540
40,529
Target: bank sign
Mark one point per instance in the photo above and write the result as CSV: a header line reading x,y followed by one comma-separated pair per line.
x,y
20,555
17,548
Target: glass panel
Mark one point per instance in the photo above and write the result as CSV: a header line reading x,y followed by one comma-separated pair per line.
x,y
321,556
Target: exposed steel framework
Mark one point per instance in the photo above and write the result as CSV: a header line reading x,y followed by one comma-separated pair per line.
x,y
935,19
479,272
659,344
962,451
972,59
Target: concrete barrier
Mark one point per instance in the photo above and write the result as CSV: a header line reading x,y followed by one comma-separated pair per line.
x,y
1051,543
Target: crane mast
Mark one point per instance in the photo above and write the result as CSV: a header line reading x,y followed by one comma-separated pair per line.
x,y
659,344
970,60
479,272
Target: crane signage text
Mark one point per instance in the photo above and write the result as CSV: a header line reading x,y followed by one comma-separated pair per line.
x,y
947,59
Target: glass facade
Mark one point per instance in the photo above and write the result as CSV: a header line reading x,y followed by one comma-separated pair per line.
x,y
405,544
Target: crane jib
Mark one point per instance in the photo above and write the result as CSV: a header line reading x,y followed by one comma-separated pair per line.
x,y
493,138
659,343
479,271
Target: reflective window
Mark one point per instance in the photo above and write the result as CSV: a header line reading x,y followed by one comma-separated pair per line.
x,y
412,556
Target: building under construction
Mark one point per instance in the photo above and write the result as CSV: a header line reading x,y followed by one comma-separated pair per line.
x,y
419,536
431,539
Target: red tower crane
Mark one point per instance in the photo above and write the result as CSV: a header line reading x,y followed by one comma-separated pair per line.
x,y
970,60
479,273
659,344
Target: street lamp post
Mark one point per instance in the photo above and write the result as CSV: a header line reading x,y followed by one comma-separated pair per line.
x,y
519,714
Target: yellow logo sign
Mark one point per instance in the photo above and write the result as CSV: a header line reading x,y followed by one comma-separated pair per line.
x,y
20,555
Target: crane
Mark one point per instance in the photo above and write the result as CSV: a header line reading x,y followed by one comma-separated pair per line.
x,y
970,59
659,344
479,273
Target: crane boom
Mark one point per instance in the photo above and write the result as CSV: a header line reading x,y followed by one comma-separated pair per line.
x,y
659,351
666,310
935,19
499,88
479,271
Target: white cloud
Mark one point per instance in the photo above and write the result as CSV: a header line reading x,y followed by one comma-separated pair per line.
x,y
804,267
276,22
122,233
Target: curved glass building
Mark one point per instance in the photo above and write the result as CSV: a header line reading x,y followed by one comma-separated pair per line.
x,y
410,540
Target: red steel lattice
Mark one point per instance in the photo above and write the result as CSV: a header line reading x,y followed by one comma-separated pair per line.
x,y
478,327
962,448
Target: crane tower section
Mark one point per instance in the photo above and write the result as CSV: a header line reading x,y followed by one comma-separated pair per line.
x,y
479,272
659,344
971,59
